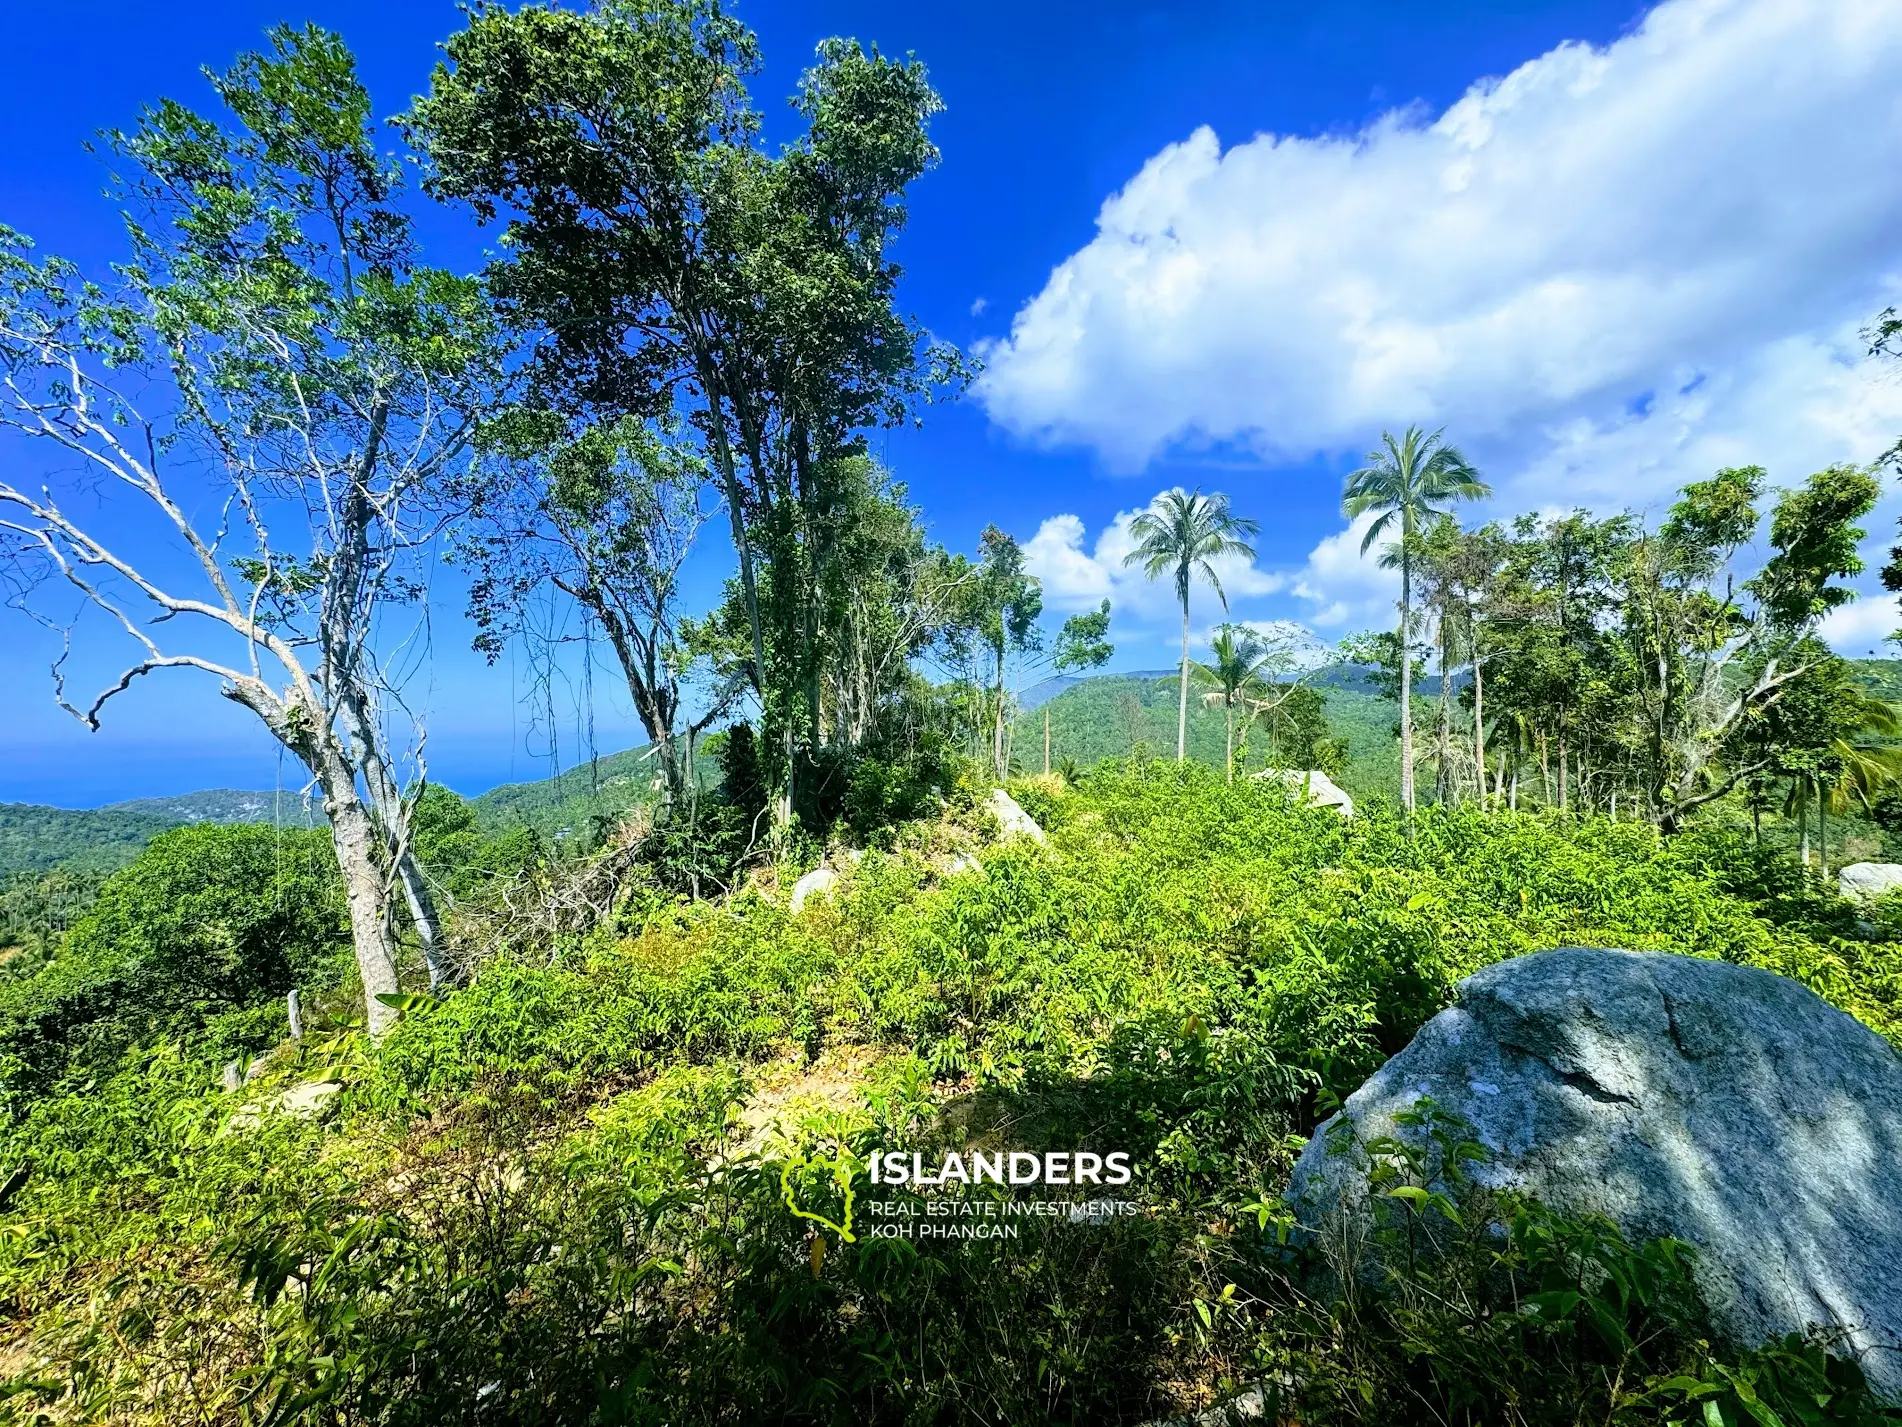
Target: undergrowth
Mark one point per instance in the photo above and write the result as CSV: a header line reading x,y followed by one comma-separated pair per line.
x,y
551,1196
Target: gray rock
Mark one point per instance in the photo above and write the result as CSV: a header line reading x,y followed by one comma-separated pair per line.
x,y
1313,786
1865,881
1722,1105
819,881
1011,818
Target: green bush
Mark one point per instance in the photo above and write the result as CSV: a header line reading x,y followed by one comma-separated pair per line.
x,y
533,1204
210,925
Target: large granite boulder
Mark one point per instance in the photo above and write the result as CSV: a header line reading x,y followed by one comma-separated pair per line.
x,y
1718,1104
1865,881
819,882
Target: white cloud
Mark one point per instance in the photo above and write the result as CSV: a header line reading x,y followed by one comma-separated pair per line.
x,y
1303,647
1078,579
1860,628
1349,591
1607,273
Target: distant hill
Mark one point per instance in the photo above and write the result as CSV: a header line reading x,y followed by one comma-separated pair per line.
x,y
1106,715
36,839
564,805
288,808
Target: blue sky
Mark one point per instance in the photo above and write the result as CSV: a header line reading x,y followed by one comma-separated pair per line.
x,y
1215,245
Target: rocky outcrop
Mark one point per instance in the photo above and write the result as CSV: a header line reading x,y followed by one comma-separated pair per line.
x,y
1012,820
1312,786
1717,1104
1865,881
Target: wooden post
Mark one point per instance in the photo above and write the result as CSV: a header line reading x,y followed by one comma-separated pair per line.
x,y
295,1007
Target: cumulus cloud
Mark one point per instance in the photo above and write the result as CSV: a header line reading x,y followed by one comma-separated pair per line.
x,y
1075,578
1609,272
1348,590
1861,628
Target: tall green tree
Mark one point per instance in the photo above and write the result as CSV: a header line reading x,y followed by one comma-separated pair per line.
x,y
1181,535
1408,481
1003,606
663,260
1082,643
1236,659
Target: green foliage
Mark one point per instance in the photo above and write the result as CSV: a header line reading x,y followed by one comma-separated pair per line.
x,y
1108,716
36,839
207,925
537,1195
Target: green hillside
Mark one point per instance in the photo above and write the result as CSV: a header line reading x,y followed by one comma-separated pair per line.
x,y
36,839
1107,716
564,804
287,807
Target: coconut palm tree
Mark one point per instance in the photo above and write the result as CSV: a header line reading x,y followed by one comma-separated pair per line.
x,y
1409,481
1237,657
1183,533
1866,767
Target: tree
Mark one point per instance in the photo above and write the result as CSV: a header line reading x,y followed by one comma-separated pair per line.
x,y
1239,658
1082,643
606,517
1182,534
663,262
1408,481
1002,611
209,920
1706,662
301,360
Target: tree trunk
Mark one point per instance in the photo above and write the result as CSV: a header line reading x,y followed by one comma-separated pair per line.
x,y
1406,674
1822,831
1479,723
997,720
1228,718
1803,817
1046,740
355,841
387,800
1182,701
1563,803
1443,781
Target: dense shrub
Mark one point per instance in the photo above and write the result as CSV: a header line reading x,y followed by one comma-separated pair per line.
x,y
210,924
548,1198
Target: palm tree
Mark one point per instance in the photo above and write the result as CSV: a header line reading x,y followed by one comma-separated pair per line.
x,y
1237,656
1183,533
1866,766
1409,481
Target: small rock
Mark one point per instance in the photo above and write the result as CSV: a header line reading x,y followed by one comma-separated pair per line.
x,y
1312,785
821,880
1251,1406
1866,881
1012,819
309,1100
